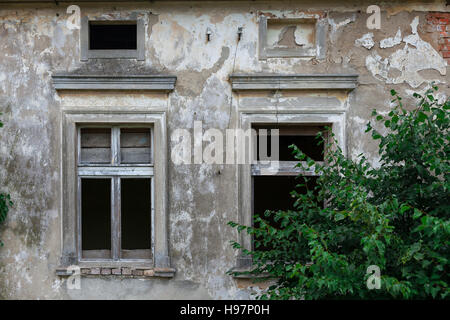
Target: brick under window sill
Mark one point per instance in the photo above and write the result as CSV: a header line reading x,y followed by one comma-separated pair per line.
x,y
120,272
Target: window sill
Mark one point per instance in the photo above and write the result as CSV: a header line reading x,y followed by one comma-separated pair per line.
x,y
114,54
248,276
140,272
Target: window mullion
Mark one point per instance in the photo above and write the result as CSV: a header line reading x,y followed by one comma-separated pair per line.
x,y
78,238
78,145
115,219
115,145
152,227
152,144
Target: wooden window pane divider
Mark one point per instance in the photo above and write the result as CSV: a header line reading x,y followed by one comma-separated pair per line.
x,y
284,168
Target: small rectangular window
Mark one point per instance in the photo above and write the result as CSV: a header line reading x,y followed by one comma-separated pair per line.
x,y
112,36
112,39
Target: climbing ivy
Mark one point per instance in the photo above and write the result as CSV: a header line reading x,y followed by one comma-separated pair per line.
x,y
394,216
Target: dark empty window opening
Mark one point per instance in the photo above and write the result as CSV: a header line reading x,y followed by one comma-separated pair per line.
x,y
274,193
136,217
304,138
112,36
96,217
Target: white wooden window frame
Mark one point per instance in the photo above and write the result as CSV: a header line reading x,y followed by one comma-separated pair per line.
x,y
71,172
115,171
246,172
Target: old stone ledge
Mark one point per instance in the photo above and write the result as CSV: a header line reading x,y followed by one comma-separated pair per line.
x,y
63,81
293,81
119,271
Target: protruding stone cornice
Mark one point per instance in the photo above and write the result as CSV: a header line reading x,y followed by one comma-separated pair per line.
x,y
113,82
293,81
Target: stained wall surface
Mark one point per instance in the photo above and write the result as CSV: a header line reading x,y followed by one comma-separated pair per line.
x,y
408,52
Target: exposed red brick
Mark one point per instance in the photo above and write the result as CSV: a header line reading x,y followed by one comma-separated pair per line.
x,y
138,272
432,20
95,270
439,15
86,271
430,28
149,273
444,47
116,271
444,21
446,54
106,271
126,271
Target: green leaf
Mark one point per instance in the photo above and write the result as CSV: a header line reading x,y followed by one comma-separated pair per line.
x,y
404,208
421,117
417,213
393,215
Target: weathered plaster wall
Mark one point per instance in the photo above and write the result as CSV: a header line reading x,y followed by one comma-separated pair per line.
x,y
35,41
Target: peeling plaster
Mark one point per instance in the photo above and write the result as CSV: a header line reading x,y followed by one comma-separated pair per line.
x,y
35,43
335,26
392,41
365,41
415,56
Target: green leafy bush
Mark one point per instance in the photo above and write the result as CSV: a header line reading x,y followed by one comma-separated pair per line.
x,y
5,203
395,216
